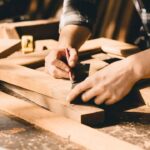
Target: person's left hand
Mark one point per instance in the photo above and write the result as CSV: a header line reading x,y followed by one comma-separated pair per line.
x,y
108,85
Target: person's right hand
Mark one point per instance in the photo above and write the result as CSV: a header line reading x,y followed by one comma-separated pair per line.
x,y
56,67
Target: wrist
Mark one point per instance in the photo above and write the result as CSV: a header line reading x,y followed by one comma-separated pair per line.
x,y
136,67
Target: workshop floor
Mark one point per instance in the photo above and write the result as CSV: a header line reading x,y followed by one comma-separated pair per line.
x,y
18,135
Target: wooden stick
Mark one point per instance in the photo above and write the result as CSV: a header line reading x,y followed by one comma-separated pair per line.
x,y
86,114
7,47
66,128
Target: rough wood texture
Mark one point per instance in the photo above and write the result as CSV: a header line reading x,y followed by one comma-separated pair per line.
x,y
86,114
66,128
7,47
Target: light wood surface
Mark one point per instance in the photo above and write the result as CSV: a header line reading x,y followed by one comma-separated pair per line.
x,y
86,114
66,128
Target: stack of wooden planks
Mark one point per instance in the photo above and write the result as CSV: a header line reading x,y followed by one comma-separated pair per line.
x,y
49,109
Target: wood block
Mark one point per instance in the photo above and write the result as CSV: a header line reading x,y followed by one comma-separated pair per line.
x,y
39,29
86,114
87,137
7,47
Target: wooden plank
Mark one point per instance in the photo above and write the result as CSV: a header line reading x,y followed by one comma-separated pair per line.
x,y
34,80
26,59
101,44
117,48
39,29
7,47
66,128
86,114
42,83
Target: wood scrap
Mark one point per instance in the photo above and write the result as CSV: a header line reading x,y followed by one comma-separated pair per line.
x,y
9,46
86,114
66,128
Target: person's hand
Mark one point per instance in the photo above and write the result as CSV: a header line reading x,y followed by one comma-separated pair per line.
x,y
108,85
56,67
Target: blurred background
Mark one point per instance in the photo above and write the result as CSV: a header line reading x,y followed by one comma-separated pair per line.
x,y
116,19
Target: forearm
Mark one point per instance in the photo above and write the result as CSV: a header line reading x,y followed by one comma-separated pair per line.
x,y
73,36
141,64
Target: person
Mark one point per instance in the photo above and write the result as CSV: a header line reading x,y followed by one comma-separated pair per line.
x,y
110,84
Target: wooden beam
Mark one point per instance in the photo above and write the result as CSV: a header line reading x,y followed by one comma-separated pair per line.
x,y
102,44
66,128
7,47
39,29
117,48
85,114
42,83
26,59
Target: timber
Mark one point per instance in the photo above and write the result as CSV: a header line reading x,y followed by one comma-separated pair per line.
x,y
85,114
61,126
55,89
38,29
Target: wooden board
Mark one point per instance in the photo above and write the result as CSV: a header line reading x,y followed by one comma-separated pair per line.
x,y
117,48
26,59
7,47
42,83
66,128
101,44
86,114
39,29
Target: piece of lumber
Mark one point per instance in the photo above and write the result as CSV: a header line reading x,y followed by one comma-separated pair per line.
x,y
89,45
142,109
26,59
102,44
117,48
9,46
66,128
39,29
85,114
34,80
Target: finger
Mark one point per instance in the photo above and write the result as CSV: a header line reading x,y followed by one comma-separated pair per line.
x,y
73,57
61,65
58,73
78,90
90,94
101,98
111,101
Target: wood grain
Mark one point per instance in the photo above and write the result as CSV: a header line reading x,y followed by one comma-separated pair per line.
x,y
86,114
66,128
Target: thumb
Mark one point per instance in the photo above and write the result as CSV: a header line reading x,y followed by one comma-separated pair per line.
x,y
73,57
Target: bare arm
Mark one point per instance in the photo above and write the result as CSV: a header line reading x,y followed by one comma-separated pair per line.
x,y
141,64
73,36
